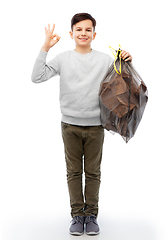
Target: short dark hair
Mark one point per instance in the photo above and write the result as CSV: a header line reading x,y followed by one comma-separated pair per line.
x,y
80,17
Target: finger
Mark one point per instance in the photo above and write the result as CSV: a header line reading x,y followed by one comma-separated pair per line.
x,y
53,28
122,52
57,39
128,59
48,27
55,35
125,54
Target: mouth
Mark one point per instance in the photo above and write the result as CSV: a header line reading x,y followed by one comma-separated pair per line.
x,y
83,39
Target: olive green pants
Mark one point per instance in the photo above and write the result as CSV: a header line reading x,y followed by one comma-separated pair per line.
x,y
83,152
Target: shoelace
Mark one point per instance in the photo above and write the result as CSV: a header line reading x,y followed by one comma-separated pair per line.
x,y
90,219
77,219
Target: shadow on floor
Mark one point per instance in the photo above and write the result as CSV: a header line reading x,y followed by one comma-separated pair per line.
x,y
56,228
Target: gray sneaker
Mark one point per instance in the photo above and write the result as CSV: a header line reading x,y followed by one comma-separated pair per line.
x,y
92,227
77,226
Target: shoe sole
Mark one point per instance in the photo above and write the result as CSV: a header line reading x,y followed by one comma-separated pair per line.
x,y
76,233
92,233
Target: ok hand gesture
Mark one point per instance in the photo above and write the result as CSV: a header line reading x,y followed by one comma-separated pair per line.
x,y
51,38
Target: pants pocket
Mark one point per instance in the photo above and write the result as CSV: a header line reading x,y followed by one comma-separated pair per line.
x,y
64,125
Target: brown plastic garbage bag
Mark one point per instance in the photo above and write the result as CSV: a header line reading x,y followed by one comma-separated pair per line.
x,y
123,97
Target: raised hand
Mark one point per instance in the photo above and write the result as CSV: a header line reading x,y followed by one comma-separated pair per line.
x,y
51,38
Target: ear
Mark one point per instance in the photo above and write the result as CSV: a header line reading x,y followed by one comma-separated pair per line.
x,y
94,35
71,34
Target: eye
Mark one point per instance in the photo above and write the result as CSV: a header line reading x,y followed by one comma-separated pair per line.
x,y
78,29
89,30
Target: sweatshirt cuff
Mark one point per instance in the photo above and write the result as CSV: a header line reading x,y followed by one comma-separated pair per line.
x,y
42,55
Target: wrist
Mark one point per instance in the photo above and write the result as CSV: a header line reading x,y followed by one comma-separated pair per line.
x,y
44,48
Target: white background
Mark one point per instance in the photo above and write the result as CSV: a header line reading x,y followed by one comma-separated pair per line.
x,y
34,202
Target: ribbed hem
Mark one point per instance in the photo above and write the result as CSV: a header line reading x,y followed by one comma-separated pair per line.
x,y
81,121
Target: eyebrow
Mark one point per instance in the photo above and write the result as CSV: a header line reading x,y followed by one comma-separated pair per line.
x,y
86,28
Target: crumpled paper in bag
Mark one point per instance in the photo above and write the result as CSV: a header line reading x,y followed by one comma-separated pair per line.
x,y
122,98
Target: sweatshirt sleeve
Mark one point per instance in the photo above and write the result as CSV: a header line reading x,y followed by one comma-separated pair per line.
x,y
42,71
110,61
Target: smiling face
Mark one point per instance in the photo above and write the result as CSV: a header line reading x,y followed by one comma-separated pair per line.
x,y
83,34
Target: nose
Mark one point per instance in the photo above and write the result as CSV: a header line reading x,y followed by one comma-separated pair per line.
x,y
83,32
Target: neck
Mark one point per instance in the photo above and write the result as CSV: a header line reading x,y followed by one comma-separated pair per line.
x,y
83,50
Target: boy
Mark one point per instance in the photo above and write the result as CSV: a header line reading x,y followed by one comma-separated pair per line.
x,y
81,71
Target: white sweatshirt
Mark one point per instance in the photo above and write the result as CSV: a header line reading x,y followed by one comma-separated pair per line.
x,y
80,78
